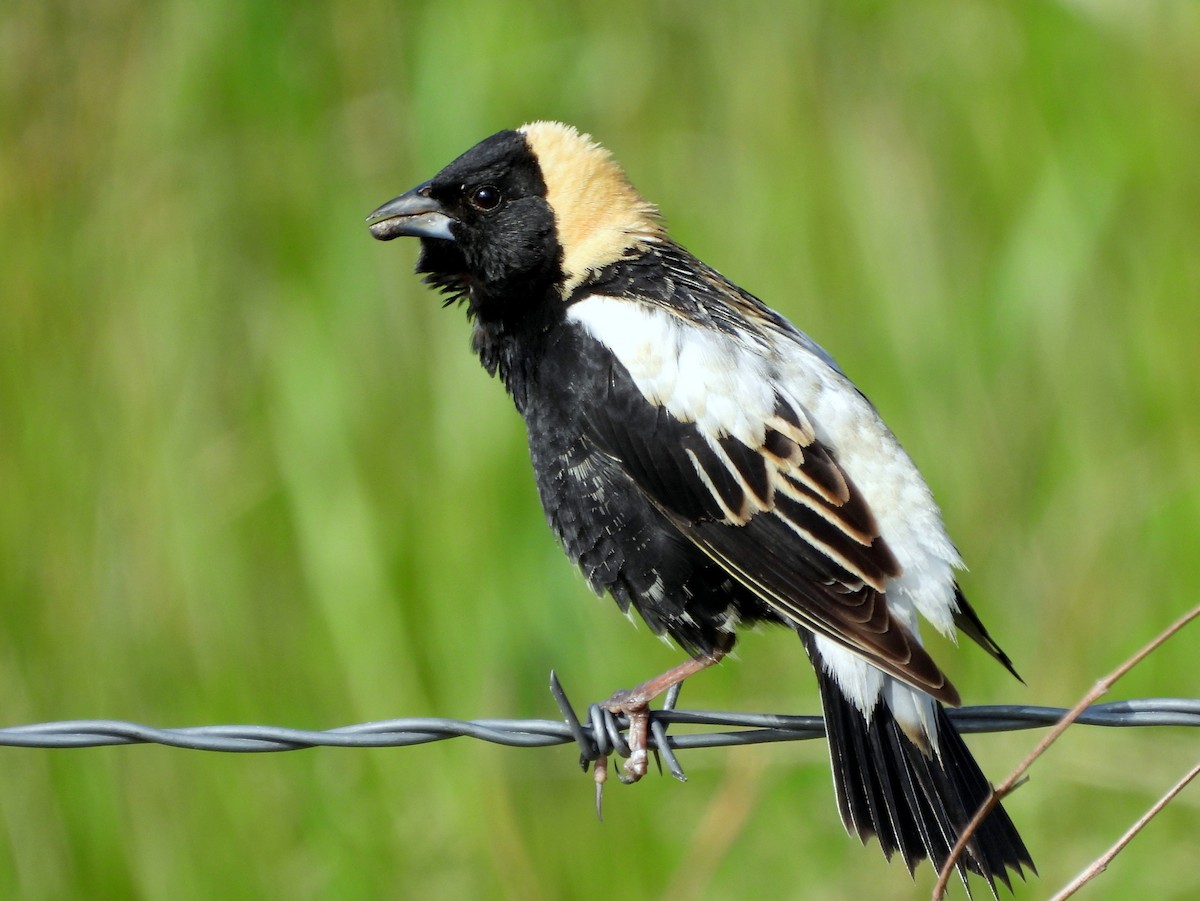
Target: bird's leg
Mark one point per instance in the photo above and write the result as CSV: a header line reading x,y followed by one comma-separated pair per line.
x,y
635,704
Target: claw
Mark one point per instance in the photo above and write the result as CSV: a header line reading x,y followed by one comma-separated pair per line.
x,y
600,776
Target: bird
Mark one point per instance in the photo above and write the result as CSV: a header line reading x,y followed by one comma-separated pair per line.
x,y
710,466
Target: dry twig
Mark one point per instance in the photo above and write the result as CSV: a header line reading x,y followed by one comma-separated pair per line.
x,y
1014,778
1100,864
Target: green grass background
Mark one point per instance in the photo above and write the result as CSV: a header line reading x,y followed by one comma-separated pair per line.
x,y
250,471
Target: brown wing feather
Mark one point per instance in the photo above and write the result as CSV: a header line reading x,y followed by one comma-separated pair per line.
x,y
782,501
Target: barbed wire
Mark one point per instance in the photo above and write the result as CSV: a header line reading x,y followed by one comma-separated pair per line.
x,y
599,733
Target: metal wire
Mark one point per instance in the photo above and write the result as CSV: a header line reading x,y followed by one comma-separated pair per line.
x,y
599,734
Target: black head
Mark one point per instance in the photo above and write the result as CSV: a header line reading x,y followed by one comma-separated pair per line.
x,y
520,218
486,229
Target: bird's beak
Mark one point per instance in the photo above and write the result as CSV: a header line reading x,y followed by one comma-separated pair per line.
x,y
414,214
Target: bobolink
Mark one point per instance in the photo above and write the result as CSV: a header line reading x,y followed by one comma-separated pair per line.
x,y
709,465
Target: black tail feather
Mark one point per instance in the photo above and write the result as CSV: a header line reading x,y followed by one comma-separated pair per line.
x,y
914,802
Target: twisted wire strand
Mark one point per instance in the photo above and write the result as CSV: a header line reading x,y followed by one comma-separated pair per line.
x,y
599,734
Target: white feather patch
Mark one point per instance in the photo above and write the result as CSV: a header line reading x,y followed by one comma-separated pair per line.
x,y
863,685
860,682
697,374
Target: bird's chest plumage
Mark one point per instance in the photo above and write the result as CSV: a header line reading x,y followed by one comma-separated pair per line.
x,y
620,540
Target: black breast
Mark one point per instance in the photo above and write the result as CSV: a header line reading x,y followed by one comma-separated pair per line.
x,y
619,539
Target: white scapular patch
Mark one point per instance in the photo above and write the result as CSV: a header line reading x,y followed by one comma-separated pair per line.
x,y
697,374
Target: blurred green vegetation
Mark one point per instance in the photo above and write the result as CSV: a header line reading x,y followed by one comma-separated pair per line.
x,y
250,472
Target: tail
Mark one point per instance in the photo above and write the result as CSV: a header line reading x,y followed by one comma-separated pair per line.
x,y
915,800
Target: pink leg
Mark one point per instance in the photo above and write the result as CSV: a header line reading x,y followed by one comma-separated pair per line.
x,y
635,704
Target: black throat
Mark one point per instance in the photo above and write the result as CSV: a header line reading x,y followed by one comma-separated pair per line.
x,y
511,347
511,291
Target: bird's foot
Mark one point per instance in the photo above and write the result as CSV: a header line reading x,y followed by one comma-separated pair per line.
x,y
634,704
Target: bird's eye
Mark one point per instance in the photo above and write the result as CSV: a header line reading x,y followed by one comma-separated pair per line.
x,y
484,197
